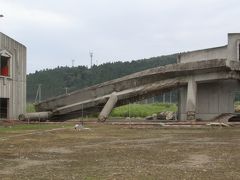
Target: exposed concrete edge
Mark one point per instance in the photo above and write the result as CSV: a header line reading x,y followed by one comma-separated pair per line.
x,y
145,89
187,68
206,49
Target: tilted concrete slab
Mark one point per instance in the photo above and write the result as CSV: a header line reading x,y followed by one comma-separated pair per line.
x,y
140,85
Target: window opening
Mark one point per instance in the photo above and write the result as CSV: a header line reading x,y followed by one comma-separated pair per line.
x,y
4,65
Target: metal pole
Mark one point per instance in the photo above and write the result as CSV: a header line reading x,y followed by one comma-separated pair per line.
x,y
91,57
130,122
170,97
82,112
66,90
40,92
129,109
73,62
36,95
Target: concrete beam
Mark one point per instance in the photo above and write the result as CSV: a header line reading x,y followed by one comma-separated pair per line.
x,y
123,97
149,76
142,92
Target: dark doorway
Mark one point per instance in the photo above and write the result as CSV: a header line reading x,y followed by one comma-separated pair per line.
x,y
234,119
3,108
239,51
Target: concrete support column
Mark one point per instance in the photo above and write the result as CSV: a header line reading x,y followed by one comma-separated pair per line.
x,y
108,107
191,99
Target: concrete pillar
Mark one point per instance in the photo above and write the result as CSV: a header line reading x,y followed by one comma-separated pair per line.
x,y
108,107
191,99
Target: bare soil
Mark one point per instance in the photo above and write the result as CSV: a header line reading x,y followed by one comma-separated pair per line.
x,y
121,152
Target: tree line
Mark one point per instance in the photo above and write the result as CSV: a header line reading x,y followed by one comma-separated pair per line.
x,y
60,80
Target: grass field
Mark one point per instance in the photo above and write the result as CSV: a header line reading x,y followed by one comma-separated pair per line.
x,y
142,110
119,152
132,110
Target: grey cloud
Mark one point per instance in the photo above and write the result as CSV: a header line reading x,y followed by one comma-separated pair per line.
x,y
115,30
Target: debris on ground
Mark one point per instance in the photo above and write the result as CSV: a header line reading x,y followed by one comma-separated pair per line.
x,y
149,118
154,116
168,115
80,127
218,124
223,118
161,116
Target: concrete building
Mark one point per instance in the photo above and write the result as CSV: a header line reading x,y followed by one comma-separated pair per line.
x,y
12,78
208,82
209,98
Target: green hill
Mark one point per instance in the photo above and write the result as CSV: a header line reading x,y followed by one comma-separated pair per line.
x,y
55,81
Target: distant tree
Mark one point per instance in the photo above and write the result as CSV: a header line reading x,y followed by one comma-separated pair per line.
x,y
54,81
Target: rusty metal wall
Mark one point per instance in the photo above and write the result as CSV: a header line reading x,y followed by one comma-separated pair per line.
x,y
14,86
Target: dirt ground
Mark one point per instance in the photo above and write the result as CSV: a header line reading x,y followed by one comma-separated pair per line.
x,y
120,152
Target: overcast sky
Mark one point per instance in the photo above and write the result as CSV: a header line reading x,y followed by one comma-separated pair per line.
x,y
58,31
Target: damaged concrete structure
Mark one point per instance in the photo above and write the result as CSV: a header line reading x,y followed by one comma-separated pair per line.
x,y
207,81
207,99
12,78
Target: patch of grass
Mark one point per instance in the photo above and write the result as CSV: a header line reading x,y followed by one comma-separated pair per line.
x,y
30,108
142,110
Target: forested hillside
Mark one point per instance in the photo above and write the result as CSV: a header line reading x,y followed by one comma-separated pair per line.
x,y
55,81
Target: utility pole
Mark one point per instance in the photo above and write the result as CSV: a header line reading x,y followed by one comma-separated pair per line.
x,y
73,62
39,93
66,90
129,109
91,57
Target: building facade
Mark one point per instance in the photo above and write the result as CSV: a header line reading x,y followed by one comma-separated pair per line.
x,y
208,99
12,78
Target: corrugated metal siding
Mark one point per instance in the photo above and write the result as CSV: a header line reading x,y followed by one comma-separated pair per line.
x,y
14,87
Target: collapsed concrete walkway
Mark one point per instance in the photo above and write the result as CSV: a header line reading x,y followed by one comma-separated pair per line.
x,y
139,86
